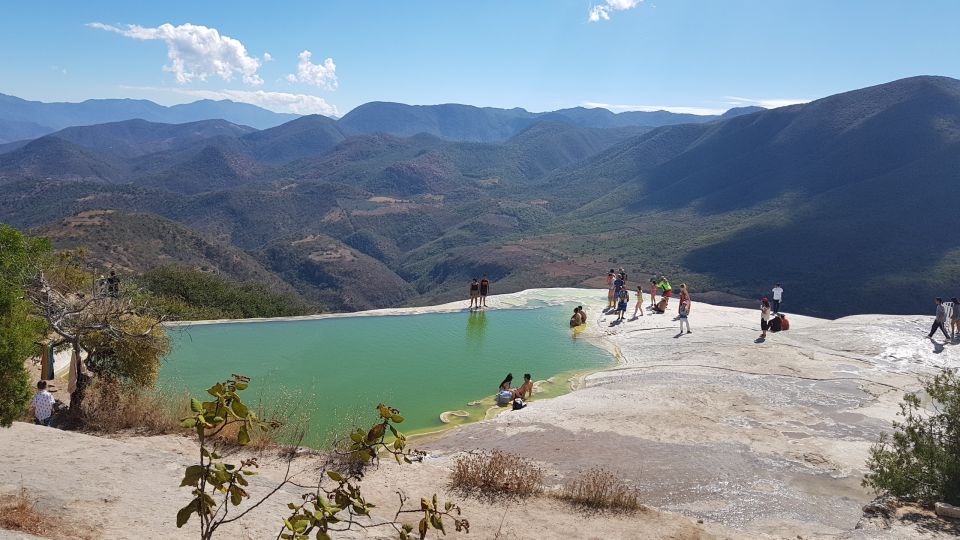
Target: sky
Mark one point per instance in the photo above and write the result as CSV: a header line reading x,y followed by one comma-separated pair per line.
x,y
327,57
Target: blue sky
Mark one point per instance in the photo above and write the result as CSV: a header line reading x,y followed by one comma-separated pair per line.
x,y
696,55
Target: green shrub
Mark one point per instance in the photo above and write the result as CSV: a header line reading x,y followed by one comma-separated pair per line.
x,y
922,459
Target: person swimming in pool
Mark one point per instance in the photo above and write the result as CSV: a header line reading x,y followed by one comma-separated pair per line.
x,y
526,389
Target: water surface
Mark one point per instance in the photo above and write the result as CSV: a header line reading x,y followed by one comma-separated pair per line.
x,y
335,371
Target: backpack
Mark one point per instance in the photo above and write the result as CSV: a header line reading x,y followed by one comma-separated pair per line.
x,y
518,404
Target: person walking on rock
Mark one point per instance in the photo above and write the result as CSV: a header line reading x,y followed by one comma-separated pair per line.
x,y
777,297
764,317
940,321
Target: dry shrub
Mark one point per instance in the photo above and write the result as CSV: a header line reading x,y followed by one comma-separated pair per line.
x,y
599,489
110,407
496,473
19,513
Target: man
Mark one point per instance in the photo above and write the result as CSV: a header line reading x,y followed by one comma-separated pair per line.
x,y
526,389
474,293
777,297
484,289
42,405
940,320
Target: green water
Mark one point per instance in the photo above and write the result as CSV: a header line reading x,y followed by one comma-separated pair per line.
x,y
335,371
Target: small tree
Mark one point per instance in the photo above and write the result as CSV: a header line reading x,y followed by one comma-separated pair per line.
x,y
335,502
19,329
922,459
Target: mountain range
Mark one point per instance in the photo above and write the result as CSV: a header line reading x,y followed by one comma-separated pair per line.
x,y
847,200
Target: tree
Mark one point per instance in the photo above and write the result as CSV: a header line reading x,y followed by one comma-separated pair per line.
x,y
19,329
922,459
122,337
335,502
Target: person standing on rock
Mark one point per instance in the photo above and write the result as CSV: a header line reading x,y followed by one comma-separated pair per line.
x,y
777,297
484,289
684,296
684,313
653,291
764,317
638,308
474,293
623,298
611,294
940,321
955,317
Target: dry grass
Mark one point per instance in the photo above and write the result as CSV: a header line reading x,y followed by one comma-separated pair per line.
x,y
496,473
112,407
599,489
19,513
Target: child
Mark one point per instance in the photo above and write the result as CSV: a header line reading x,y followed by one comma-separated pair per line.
x,y
624,299
684,313
639,306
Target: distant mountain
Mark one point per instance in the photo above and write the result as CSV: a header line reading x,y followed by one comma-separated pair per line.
x,y
305,136
21,119
51,157
487,124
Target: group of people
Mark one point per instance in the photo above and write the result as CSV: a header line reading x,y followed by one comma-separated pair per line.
x,y
479,289
508,395
946,311
579,317
771,319
618,298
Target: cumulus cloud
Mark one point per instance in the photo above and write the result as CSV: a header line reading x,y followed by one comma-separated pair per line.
x,y
323,75
274,101
769,103
602,11
196,52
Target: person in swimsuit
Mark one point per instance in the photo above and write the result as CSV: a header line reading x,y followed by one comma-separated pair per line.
x,y
507,384
484,289
526,389
611,292
638,308
474,293
583,314
653,291
577,318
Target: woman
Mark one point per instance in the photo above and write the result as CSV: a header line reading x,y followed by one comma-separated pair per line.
x,y
507,384
474,293
505,394
764,316
623,300
684,297
653,292
639,304
611,298
583,314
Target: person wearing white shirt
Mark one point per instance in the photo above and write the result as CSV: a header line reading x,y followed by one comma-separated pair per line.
x,y
777,298
42,405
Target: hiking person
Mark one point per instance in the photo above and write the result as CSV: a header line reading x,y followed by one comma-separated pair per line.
x,y
611,295
42,405
955,317
113,285
684,295
474,293
940,320
684,314
777,297
653,291
484,289
639,305
526,389
764,317
622,300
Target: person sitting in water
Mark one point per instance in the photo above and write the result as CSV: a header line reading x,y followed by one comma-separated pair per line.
x,y
583,314
526,389
577,318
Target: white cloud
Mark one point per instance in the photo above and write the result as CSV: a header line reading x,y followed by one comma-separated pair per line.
x,y
274,101
323,75
267,57
765,103
602,11
653,108
196,52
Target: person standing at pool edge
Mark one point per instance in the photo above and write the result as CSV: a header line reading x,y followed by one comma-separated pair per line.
x,y
777,297
638,307
474,293
611,295
484,289
623,298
